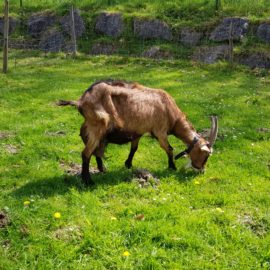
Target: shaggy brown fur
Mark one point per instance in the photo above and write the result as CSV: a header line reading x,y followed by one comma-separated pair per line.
x,y
133,108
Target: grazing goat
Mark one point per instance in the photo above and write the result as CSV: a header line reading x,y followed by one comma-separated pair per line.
x,y
109,107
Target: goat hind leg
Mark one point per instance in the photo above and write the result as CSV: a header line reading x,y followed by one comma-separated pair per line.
x,y
99,153
86,177
86,156
91,145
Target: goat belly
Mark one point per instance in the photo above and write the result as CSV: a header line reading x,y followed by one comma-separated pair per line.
x,y
118,136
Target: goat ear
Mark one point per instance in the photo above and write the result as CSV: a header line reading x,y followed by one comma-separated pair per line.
x,y
205,148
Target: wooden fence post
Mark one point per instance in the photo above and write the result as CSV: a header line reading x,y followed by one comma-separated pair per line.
x,y
6,32
218,4
231,43
73,33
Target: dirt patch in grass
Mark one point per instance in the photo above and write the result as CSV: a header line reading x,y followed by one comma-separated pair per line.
x,y
263,130
4,220
68,233
11,149
75,169
257,226
5,135
24,231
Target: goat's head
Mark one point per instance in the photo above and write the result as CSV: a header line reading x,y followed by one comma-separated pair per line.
x,y
200,149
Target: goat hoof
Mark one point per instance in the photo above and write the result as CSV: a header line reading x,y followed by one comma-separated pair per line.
x,y
102,169
87,181
172,168
128,165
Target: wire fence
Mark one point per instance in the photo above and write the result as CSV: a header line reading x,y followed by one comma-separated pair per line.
x,y
49,33
69,33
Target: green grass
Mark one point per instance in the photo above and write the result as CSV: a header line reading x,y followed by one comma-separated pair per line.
x,y
192,12
218,220
198,14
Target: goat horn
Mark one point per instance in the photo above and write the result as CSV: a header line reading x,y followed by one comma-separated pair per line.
x,y
214,130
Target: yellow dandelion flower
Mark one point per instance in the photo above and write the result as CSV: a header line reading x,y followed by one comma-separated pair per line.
x,y
57,215
126,254
196,182
113,218
26,203
219,210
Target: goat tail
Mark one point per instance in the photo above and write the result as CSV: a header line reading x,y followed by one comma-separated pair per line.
x,y
67,103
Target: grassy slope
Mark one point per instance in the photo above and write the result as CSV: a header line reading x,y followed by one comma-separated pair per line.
x,y
185,226
200,14
190,10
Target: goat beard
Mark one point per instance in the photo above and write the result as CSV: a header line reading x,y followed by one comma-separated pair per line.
x,y
188,165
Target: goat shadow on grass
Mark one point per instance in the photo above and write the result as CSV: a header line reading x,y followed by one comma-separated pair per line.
x,y
60,185
181,174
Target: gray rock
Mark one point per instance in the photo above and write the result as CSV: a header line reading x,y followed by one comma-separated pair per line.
x,y
102,48
52,41
255,60
210,55
190,37
40,22
110,24
79,24
222,31
156,53
149,29
263,32
12,25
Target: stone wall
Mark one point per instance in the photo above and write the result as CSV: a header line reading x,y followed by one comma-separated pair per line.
x,y
52,33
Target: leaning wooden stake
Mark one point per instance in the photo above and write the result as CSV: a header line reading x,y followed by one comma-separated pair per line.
x,y
73,33
6,31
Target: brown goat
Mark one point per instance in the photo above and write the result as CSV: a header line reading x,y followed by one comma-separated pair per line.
x,y
128,107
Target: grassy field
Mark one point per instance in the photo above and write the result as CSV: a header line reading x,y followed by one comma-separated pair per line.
x,y
216,220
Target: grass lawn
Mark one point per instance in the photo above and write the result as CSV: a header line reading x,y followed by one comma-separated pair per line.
x,y
216,220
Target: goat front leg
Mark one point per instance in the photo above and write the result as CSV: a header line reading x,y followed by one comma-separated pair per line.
x,y
100,165
99,153
163,141
133,149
